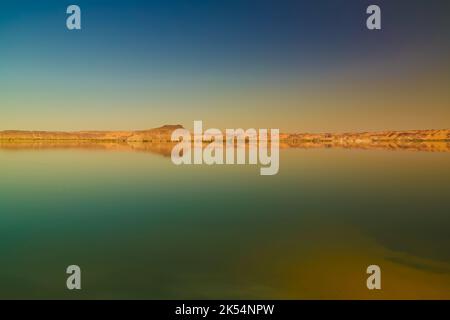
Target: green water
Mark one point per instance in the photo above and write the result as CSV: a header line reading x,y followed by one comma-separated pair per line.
x,y
140,227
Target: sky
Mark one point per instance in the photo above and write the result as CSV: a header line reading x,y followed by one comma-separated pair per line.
x,y
301,66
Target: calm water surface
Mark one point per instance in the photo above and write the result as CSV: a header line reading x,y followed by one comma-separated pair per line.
x,y
140,227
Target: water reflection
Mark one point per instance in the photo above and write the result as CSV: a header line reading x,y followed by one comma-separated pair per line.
x,y
165,148
141,227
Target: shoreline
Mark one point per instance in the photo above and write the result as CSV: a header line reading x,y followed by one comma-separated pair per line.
x,y
163,135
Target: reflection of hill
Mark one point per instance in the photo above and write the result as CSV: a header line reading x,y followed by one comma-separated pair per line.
x,y
165,148
433,146
158,148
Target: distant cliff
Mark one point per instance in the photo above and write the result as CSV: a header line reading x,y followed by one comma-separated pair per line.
x,y
163,134
413,140
365,137
156,140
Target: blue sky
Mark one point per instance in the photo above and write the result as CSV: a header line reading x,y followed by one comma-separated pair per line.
x,y
138,64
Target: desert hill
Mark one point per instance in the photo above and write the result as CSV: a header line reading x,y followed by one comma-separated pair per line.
x,y
157,138
163,134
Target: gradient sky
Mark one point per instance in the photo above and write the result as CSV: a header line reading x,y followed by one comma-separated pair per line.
x,y
294,65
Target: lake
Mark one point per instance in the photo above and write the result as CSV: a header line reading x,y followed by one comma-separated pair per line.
x,y
140,227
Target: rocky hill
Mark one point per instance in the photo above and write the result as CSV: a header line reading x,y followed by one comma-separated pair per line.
x,y
163,134
366,137
156,140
